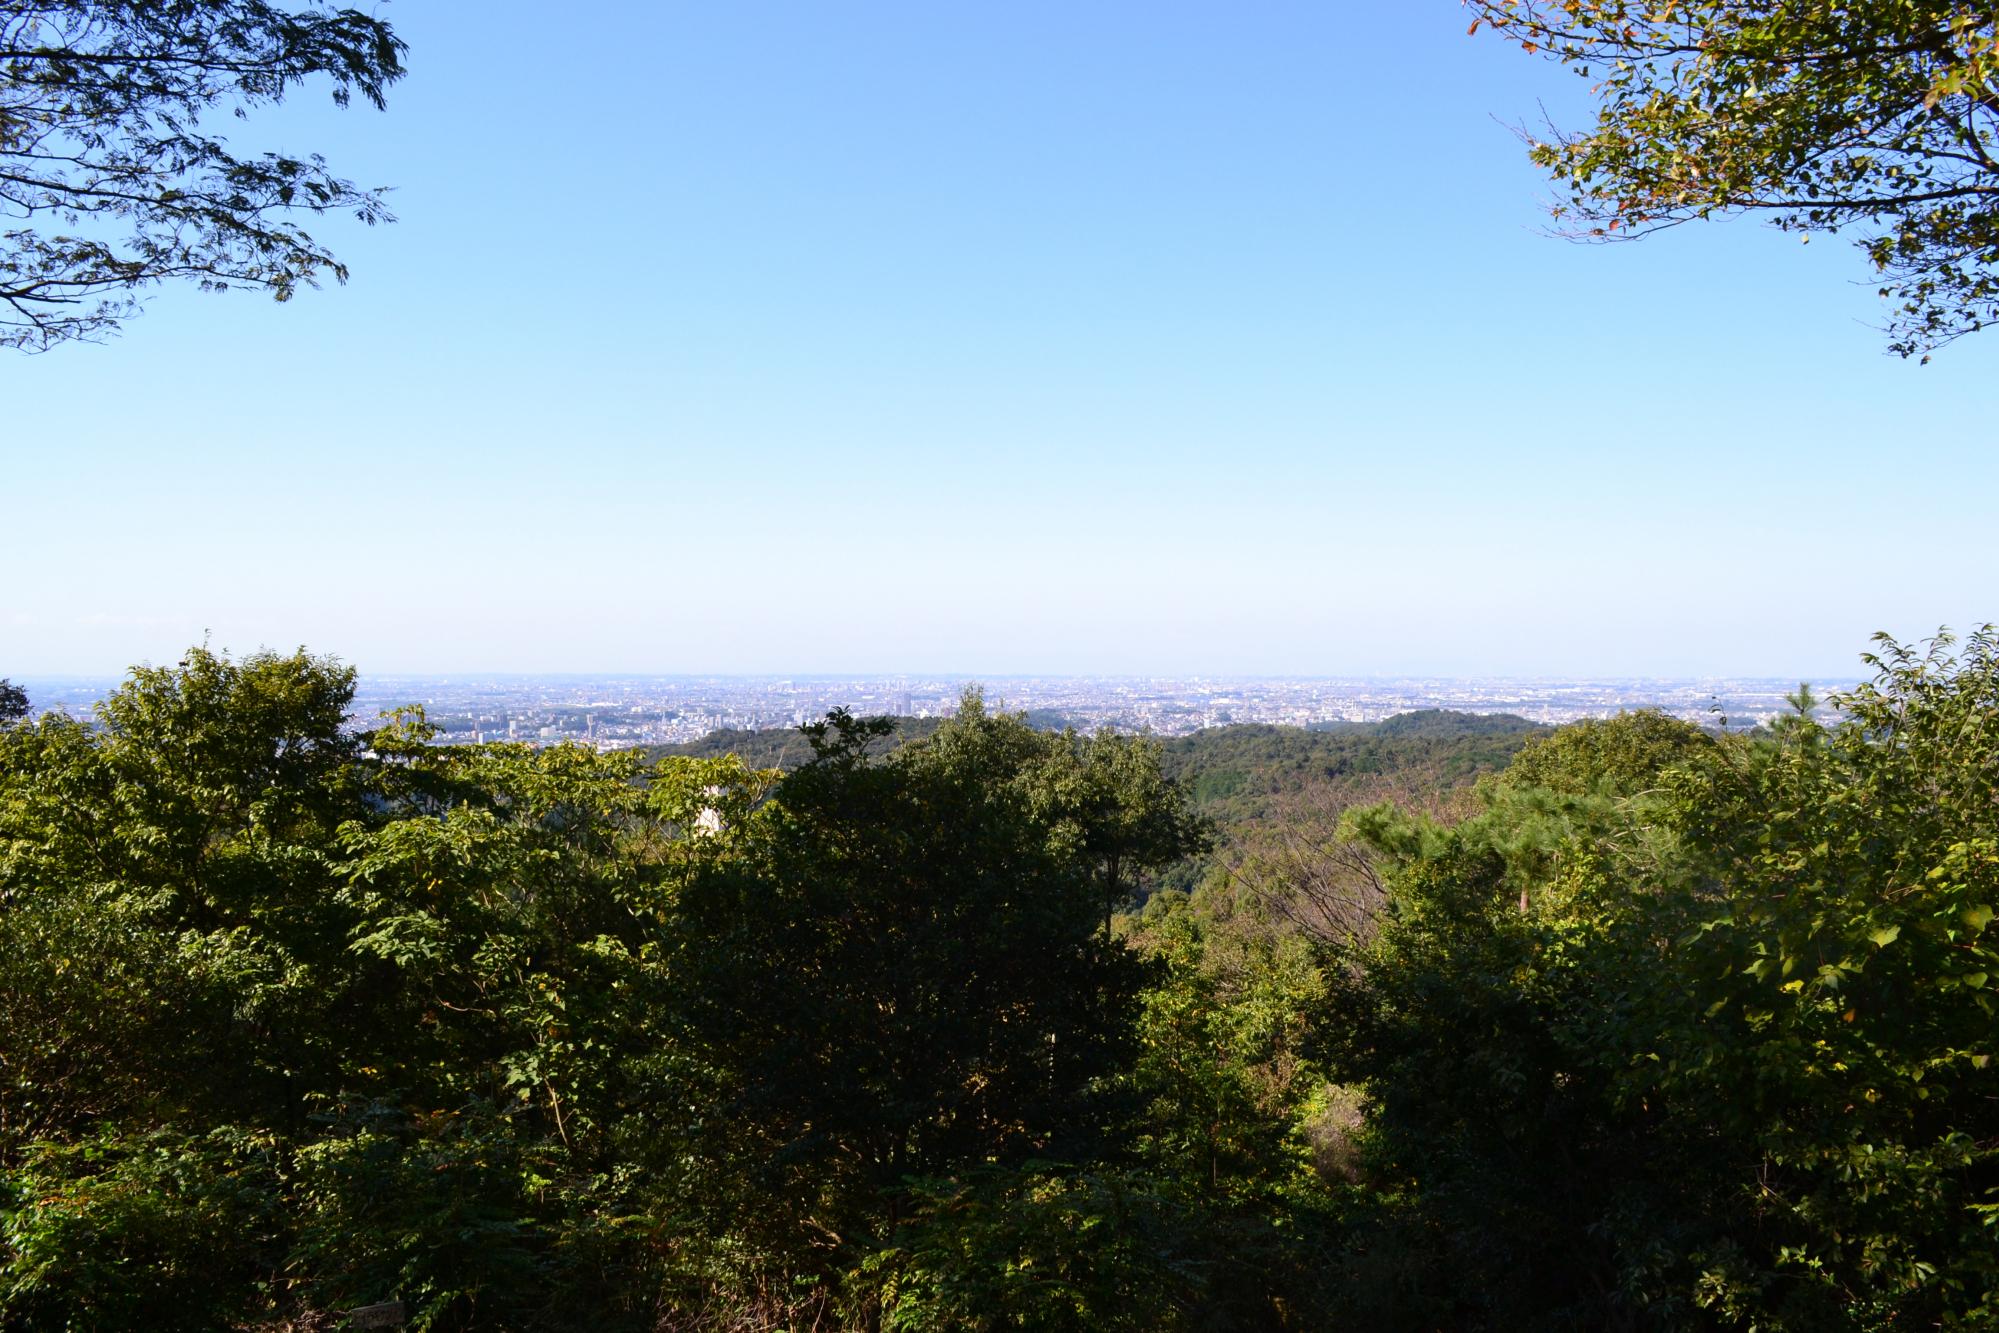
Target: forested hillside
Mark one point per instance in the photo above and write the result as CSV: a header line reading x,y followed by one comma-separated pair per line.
x,y
1648,1029
1235,773
1250,782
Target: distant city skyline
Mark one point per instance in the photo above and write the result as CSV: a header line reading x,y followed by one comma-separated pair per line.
x,y
615,711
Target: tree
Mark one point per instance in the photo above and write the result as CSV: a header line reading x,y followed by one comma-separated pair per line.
x,y
1710,1046
114,182
897,970
1616,756
299,1019
1880,116
1129,819
13,701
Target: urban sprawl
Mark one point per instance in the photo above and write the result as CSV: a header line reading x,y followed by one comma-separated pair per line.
x,y
613,712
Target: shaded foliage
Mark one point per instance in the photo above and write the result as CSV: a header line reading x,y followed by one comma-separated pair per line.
x,y
302,1018
1699,1036
904,973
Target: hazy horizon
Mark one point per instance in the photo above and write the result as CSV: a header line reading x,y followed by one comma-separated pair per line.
x,y
614,710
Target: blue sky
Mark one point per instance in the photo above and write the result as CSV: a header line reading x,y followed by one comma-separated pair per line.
x,y
1039,337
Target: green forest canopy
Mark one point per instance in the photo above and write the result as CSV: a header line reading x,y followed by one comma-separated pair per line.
x,y
1649,1029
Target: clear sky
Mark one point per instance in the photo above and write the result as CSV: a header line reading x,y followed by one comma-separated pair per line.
x,y
1122,337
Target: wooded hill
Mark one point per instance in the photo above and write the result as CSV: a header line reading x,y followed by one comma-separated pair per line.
x,y
1232,773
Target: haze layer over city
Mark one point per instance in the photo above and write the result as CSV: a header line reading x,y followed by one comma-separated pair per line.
x,y
617,711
